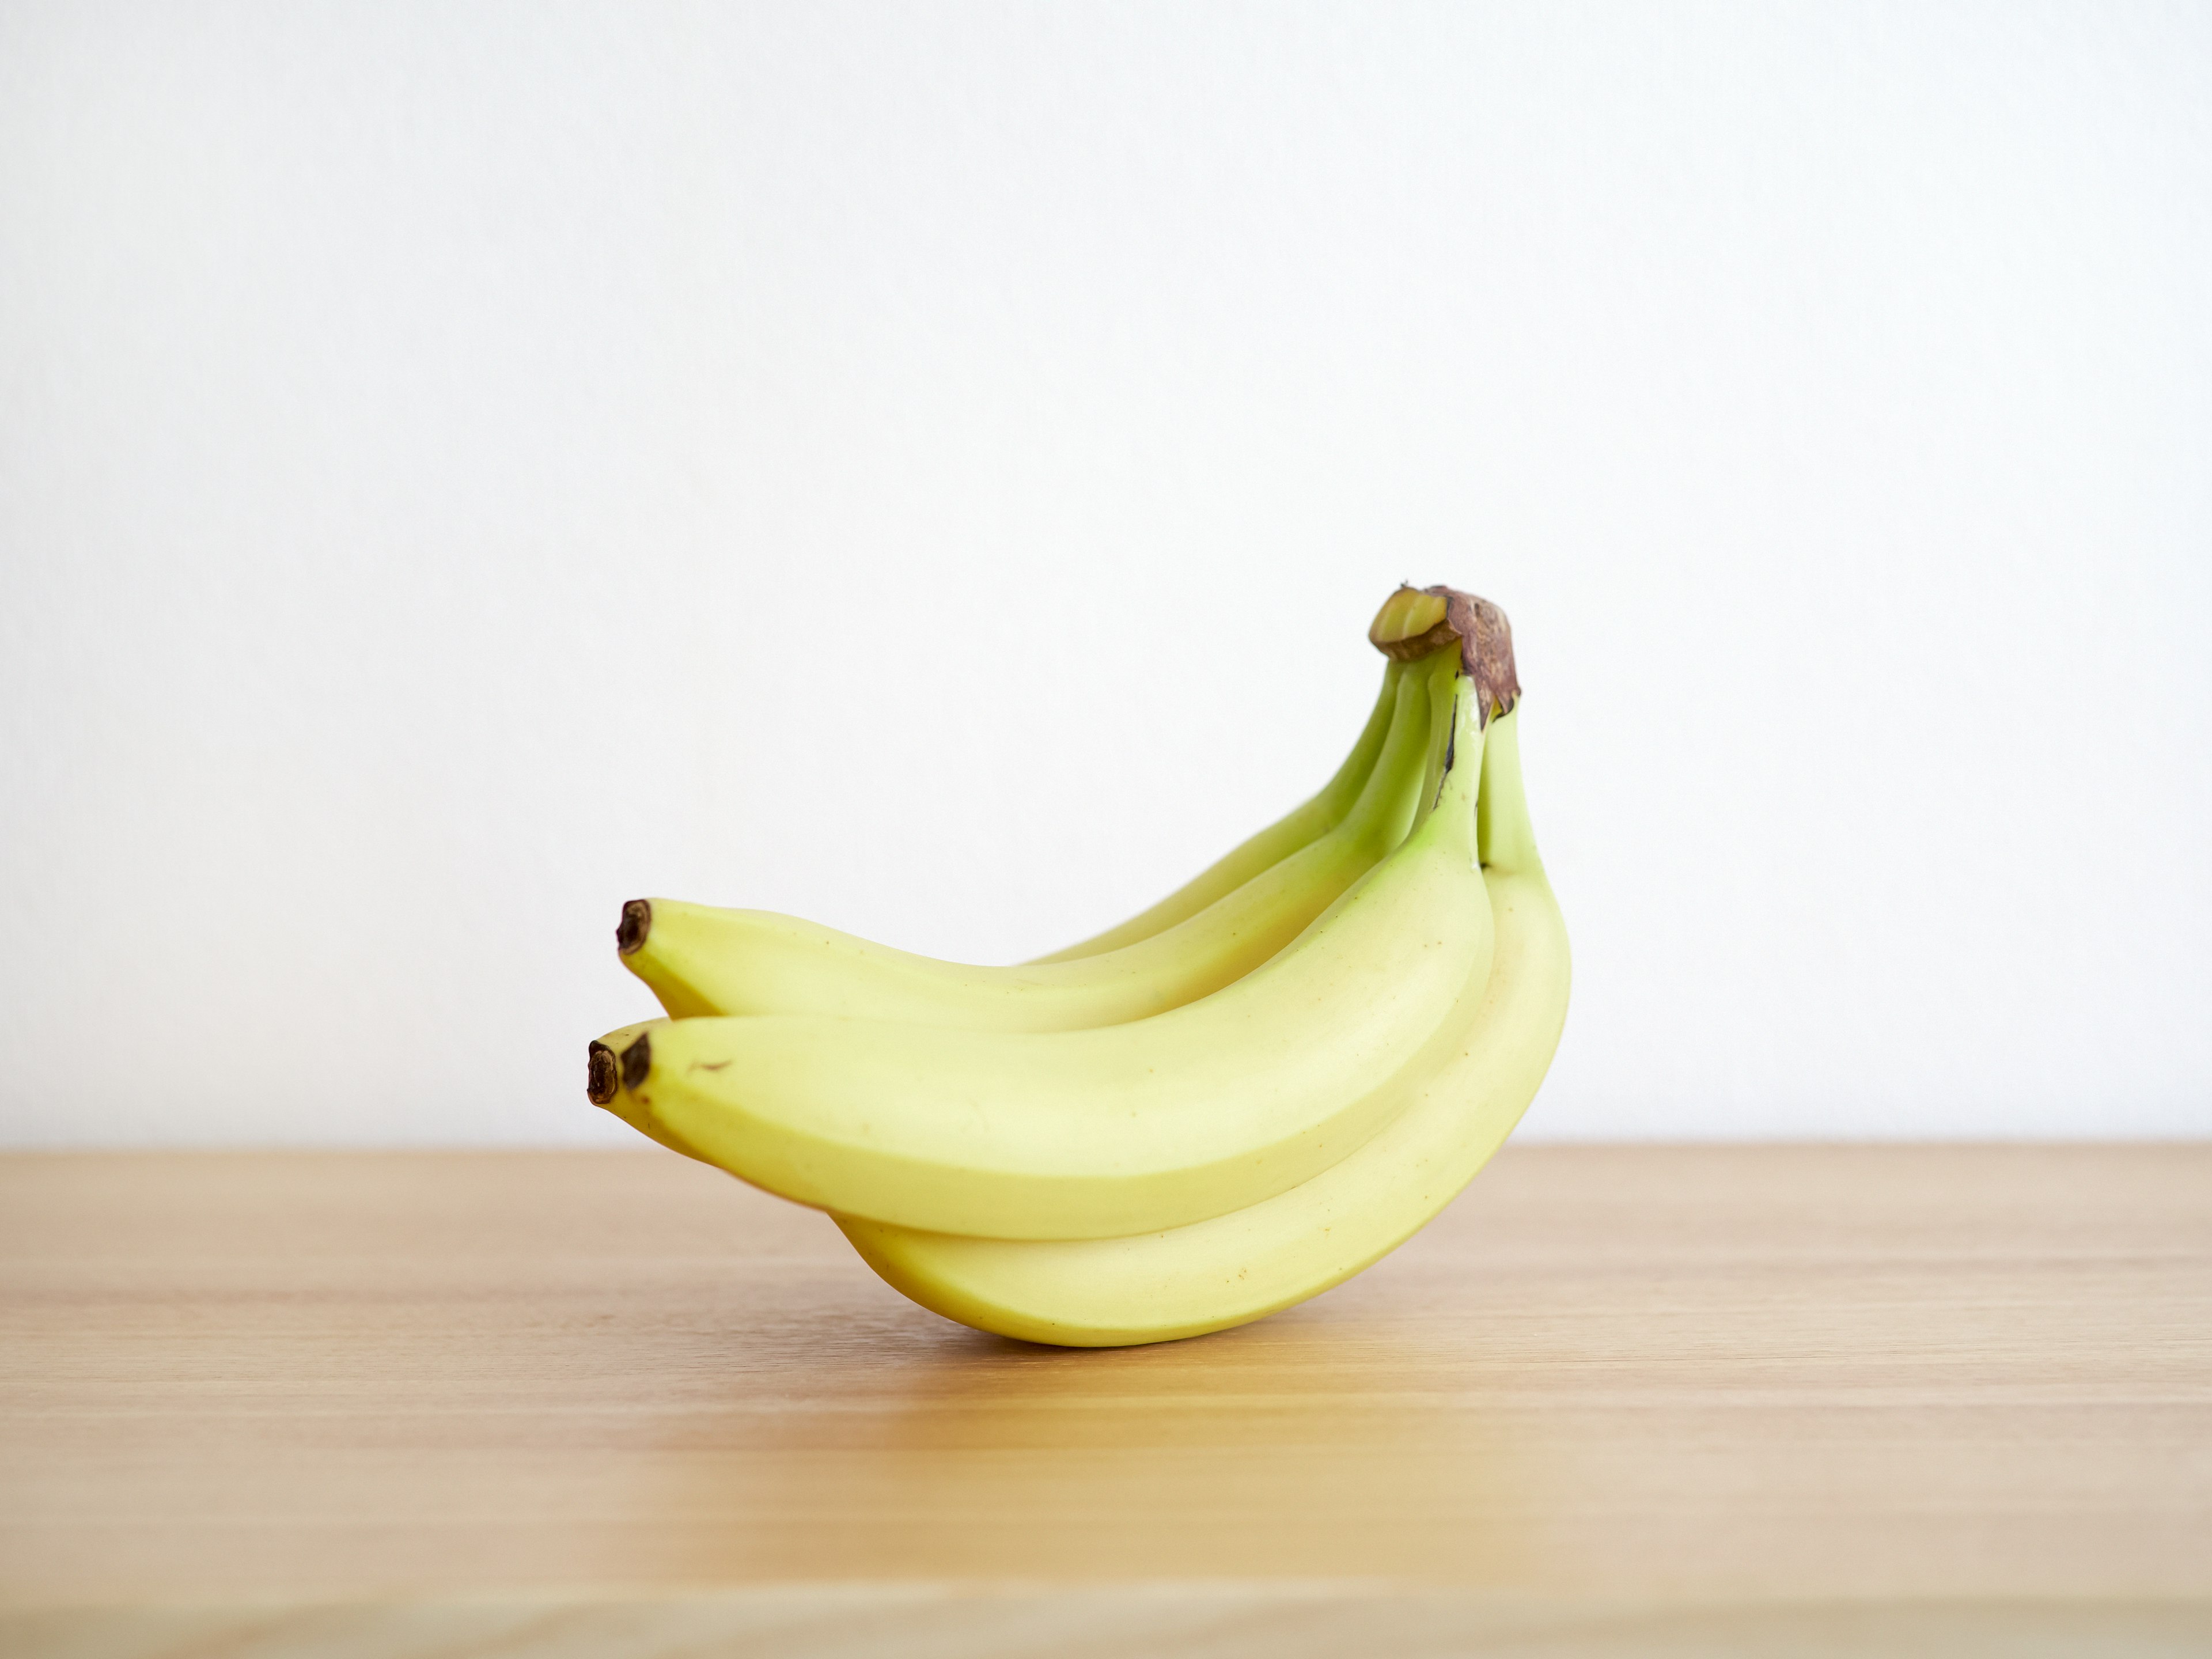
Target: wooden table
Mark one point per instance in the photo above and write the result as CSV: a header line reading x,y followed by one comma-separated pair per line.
x,y
1651,1401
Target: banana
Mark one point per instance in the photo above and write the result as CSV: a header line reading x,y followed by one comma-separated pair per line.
x,y
700,960
1467,1090
1099,1132
1303,824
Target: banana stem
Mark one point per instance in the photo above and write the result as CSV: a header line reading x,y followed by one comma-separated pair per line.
x,y
1459,758
1507,839
1338,793
1444,687
1385,805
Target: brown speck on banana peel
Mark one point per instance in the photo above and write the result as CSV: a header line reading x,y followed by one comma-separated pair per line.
x,y
637,1062
636,922
1486,641
604,1077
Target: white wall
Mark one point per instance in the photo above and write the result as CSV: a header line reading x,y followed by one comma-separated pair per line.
x,y
930,468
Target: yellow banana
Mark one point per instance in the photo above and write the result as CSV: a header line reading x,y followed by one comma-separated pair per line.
x,y
700,960
1097,1132
1466,1091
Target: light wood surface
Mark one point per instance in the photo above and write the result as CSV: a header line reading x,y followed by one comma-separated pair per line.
x,y
1693,1400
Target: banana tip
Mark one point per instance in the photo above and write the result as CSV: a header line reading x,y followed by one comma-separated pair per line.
x,y
636,922
604,1077
611,1073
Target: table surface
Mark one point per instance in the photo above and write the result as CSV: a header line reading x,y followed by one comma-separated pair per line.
x,y
615,1401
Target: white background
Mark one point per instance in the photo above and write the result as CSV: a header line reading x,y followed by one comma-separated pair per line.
x,y
930,469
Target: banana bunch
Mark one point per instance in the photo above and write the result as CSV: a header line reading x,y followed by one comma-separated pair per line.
x,y
1222,1106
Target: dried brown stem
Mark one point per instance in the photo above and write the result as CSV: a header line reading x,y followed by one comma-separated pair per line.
x,y
1486,640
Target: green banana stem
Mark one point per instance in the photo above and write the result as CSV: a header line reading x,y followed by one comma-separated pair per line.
x,y
1449,694
1299,828
1457,757
1389,800
1447,689
1503,830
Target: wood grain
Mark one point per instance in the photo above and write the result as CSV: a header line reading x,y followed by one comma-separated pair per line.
x,y
1653,1401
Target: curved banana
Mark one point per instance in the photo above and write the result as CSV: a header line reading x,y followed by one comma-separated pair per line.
x,y
1303,824
700,960
1468,1089
1098,1132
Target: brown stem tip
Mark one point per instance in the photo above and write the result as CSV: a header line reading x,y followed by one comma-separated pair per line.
x,y
636,922
1415,621
604,1078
